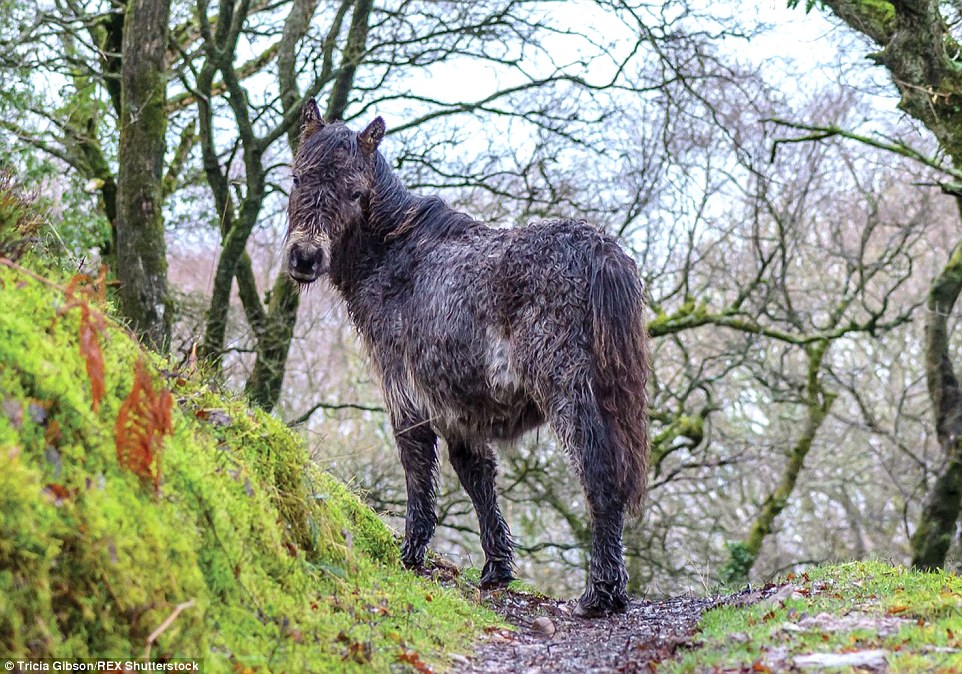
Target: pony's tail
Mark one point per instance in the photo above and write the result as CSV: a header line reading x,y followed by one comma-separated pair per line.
x,y
621,357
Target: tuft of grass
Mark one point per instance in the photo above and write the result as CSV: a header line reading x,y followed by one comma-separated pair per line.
x,y
281,566
470,578
916,617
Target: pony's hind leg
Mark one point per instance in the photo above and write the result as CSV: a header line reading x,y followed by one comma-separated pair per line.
x,y
476,468
417,447
580,425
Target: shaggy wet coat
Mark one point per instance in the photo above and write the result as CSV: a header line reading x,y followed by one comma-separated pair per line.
x,y
479,335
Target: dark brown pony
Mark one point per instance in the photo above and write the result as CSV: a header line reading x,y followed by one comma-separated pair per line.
x,y
479,335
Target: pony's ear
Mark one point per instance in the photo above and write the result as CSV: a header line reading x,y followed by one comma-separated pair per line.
x,y
311,120
371,137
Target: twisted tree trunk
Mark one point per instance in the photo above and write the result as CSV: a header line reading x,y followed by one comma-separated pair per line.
x,y
274,341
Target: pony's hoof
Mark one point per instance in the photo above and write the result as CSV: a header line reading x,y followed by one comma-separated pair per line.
x,y
495,578
596,607
588,612
412,564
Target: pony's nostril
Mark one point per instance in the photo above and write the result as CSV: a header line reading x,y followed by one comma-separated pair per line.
x,y
305,264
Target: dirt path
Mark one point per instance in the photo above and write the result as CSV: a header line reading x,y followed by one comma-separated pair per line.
x,y
548,640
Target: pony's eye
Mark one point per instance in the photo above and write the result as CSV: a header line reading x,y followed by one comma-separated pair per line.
x,y
297,181
355,196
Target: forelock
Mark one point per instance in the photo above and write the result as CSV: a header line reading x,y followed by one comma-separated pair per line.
x,y
328,140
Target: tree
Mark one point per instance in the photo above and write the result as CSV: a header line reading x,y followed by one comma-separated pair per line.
x,y
141,248
364,52
917,47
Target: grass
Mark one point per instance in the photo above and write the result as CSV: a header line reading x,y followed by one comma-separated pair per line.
x,y
915,617
281,567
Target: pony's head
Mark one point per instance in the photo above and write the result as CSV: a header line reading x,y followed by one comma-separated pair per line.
x,y
333,176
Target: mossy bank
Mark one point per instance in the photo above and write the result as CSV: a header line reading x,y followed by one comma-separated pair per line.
x,y
274,565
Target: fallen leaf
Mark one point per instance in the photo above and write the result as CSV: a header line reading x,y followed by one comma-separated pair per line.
x,y
52,433
58,493
413,659
215,416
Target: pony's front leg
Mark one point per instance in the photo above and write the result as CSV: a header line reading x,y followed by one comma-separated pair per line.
x,y
417,446
477,468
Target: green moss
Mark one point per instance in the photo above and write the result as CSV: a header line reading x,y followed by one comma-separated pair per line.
x,y
882,12
739,564
920,612
879,12
285,568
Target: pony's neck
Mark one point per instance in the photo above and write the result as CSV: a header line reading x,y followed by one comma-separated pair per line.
x,y
393,219
358,253
391,205
394,213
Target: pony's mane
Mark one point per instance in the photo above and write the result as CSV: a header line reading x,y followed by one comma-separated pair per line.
x,y
396,211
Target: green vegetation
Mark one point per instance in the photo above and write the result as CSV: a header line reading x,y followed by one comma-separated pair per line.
x,y
913,616
275,565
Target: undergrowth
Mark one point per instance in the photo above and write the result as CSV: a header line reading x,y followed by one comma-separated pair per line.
x,y
913,617
267,563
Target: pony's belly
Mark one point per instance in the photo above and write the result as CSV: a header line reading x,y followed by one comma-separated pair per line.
x,y
472,393
493,421
473,409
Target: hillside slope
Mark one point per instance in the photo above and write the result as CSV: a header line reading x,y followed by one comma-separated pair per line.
x,y
243,554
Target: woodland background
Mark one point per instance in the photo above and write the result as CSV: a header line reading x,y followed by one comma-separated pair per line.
x,y
787,179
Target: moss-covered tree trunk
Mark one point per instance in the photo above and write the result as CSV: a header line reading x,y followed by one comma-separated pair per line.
x,y
916,47
141,254
274,344
936,526
818,402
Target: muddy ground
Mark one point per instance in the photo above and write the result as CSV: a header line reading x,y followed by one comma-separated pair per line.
x,y
548,640
631,642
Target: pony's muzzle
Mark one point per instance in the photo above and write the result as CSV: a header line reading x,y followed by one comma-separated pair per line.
x,y
305,263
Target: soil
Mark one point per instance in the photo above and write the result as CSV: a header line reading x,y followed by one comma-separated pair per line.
x,y
548,639
628,643
625,643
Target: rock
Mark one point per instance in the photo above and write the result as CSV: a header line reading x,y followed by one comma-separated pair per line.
x,y
501,637
783,593
38,414
883,626
873,658
543,625
792,627
13,411
776,659
939,649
